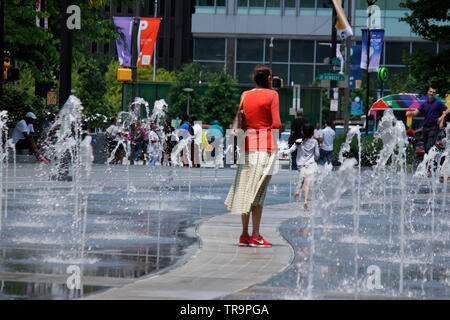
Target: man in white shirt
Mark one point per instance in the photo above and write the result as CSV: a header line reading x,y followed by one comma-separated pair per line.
x,y
197,142
22,136
326,142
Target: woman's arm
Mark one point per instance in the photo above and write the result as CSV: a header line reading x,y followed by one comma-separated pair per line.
x,y
275,110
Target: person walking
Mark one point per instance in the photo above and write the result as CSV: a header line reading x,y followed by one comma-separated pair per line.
x,y
296,133
196,149
307,155
433,110
326,142
248,191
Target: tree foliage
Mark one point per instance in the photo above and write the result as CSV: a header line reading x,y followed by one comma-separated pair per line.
x,y
190,76
219,100
429,19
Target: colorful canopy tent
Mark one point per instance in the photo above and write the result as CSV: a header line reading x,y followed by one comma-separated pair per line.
x,y
403,101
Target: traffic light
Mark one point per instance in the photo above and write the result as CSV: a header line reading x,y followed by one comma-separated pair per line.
x,y
9,74
277,82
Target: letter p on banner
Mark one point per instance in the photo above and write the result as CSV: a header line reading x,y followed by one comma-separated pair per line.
x,y
148,32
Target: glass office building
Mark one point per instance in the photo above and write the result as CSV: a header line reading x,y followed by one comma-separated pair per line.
x,y
235,35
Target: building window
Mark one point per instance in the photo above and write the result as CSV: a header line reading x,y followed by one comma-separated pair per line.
x,y
273,6
302,74
308,4
280,50
428,47
244,72
209,49
394,52
290,7
302,51
322,51
256,6
250,50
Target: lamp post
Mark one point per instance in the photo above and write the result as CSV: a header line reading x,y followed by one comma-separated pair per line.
x,y
369,24
188,90
65,76
271,52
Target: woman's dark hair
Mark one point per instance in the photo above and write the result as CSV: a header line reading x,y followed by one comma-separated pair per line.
x,y
308,130
261,75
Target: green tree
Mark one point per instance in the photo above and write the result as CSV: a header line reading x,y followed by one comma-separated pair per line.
x,y
218,99
190,76
429,19
423,70
161,75
91,91
40,47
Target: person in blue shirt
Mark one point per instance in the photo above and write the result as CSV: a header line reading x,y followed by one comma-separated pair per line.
x,y
433,110
213,132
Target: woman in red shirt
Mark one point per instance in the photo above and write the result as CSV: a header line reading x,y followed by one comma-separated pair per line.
x,y
248,191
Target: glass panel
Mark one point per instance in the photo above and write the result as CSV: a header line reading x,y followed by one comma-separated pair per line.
x,y
307,4
207,3
394,5
394,52
250,49
322,69
209,49
324,4
273,4
302,51
302,74
281,70
220,3
429,47
244,72
214,66
323,51
242,3
289,3
443,47
257,3
362,4
280,50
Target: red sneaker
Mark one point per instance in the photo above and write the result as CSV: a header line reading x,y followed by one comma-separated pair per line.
x,y
259,242
244,241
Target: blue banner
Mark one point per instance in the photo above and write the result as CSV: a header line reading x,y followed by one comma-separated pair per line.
x,y
376,46
355,68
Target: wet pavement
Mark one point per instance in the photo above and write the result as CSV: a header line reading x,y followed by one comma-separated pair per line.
x,y
164,233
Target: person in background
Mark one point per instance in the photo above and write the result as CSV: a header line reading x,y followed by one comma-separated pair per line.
x,y
216,132
196,149
296,133
170,140
433,109
317,131
248,191
326,142
307,155
22,136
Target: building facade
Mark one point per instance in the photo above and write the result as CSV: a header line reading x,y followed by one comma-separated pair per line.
x,y
235,35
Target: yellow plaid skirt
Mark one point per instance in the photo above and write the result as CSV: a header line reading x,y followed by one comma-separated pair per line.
x,y
251,182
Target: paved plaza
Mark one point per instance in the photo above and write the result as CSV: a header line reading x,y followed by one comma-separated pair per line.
x,y
157,233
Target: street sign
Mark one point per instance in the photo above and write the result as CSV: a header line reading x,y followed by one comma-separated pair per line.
x,y
330,76
336,61
334,105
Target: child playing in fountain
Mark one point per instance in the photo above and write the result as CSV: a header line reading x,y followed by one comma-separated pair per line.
x,y
307,155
